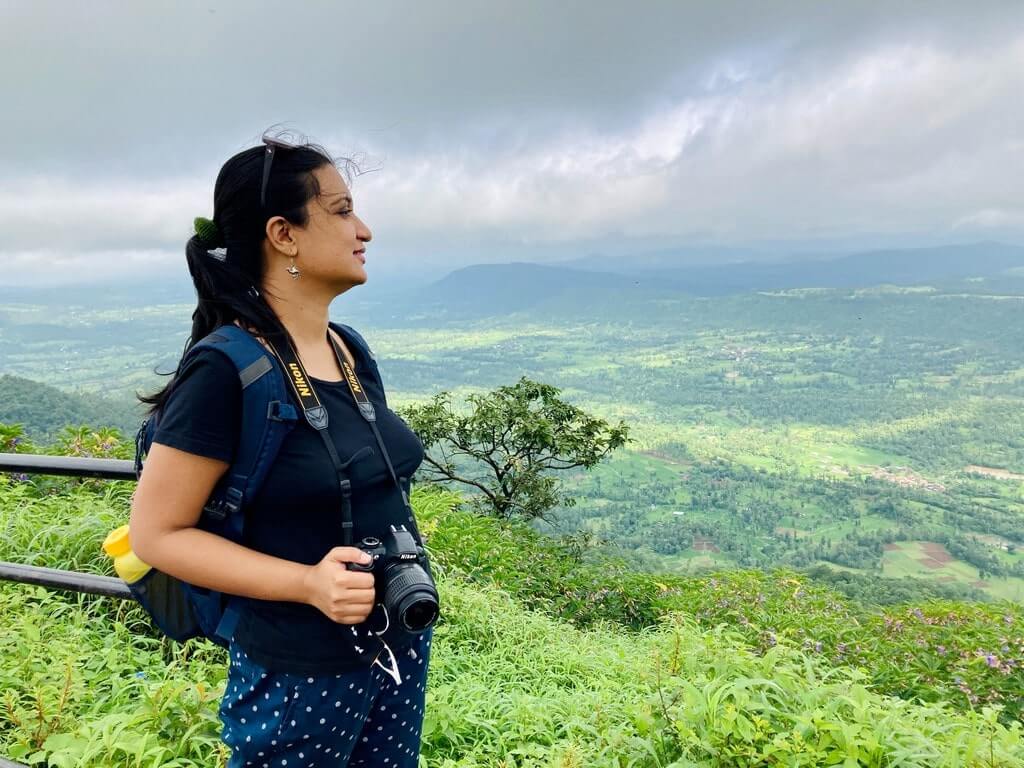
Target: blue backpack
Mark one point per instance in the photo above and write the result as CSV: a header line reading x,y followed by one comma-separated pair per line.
x,y
182,610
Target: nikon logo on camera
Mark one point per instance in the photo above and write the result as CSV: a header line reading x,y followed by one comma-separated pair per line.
x,y
300,380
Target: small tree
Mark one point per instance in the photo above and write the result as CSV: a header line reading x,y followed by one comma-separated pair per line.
x,y
508,444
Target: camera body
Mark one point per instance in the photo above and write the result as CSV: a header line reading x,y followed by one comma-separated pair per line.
x,y
403,582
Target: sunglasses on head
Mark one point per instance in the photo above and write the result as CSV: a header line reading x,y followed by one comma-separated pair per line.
x,y
273,143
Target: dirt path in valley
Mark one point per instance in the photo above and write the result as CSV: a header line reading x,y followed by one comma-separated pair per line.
x,y
999,474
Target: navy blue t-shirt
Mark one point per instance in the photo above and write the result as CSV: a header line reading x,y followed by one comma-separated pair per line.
x,y
297,513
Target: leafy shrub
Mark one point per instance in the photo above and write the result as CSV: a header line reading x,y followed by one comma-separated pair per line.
x,y
737,669
967,654
507,686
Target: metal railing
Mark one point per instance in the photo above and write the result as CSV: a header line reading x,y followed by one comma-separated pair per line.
x,y
109,469
53,578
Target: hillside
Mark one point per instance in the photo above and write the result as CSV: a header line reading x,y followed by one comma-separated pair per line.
x,y
485,290
44,409
545,655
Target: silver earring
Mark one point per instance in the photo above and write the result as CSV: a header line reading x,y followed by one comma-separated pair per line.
x,y
293,271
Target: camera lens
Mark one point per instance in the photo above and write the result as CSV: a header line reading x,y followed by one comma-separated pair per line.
x,y
411,597
420,615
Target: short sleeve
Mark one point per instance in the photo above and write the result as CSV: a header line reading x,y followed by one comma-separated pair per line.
x,y
203,413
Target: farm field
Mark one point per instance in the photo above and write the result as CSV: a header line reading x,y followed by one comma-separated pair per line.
x,y
923,559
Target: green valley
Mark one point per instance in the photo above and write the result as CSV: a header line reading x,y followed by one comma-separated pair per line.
x,y
811,551
873,430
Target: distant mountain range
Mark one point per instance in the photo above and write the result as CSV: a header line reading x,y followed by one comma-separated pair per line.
x,y
592,282
689,256
496,289
896,266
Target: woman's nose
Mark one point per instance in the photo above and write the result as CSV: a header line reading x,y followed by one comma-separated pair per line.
x,y
364,231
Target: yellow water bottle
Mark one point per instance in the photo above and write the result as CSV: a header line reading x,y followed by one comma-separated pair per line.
x,y
127,565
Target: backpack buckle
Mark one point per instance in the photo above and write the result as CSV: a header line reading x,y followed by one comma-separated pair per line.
x,y
218,509
278,411
233,502
214,510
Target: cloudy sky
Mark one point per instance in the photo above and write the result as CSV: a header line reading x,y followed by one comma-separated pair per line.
x,y
497,131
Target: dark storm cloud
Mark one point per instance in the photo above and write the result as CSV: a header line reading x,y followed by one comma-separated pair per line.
x,y
515,122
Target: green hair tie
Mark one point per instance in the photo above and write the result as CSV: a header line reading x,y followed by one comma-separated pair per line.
x,y
207,232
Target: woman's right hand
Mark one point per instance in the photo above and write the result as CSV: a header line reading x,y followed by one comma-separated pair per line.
x,y
344,596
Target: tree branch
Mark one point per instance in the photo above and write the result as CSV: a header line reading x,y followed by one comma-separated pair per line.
x,y
456,478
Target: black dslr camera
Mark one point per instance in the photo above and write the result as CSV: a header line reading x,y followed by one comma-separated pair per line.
x,y
410,596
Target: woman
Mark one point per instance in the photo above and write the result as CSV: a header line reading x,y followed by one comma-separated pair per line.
x,y
310,683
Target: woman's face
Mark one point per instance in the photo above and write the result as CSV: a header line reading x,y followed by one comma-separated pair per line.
x,y
328,246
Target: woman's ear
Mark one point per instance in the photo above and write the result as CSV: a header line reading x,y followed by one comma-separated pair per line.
x,y
280,237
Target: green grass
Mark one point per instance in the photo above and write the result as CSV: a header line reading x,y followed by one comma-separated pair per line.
x,y
530,666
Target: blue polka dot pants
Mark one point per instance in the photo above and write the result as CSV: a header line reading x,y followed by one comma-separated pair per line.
x,y
283,720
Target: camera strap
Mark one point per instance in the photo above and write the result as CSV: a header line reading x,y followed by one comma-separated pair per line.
x,y
316,416
369,414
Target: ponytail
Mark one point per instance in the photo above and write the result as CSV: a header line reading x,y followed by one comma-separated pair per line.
x,y
225,257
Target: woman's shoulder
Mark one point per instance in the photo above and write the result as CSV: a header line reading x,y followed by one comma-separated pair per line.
x,y
205,371
214,354
208,356
202,411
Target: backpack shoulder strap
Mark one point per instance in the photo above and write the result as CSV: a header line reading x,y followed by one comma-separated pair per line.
x,y
267,416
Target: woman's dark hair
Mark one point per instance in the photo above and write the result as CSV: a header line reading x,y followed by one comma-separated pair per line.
x,y
228,279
